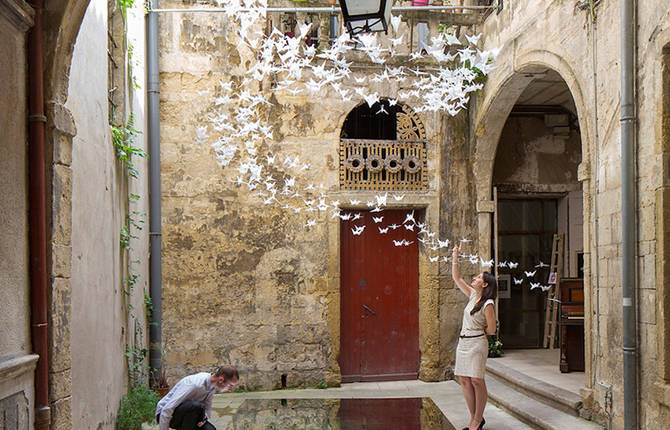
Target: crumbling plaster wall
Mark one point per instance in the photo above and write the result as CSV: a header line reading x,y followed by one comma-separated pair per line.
x,y
558,35
247,284
105,320
529,153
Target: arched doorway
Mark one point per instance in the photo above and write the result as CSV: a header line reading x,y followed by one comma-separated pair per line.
x,y
538,218
382,148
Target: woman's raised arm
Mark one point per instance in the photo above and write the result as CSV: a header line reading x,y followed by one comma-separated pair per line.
x,y
456,273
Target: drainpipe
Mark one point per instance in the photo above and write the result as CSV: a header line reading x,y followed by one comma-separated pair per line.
x,y
37,219
628,200
153,132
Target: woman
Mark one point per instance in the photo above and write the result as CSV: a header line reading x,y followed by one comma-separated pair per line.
x,y
479,319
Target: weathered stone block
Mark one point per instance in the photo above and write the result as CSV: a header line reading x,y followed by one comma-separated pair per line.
x,y
61,118
60,384
62,205
61,258
59,325
61,414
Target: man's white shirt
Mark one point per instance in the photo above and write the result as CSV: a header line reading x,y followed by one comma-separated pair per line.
x,y
197,388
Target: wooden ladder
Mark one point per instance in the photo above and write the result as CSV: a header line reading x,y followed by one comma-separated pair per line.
x,y
551,314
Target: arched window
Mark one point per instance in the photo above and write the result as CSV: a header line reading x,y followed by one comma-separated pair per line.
x,y
382,148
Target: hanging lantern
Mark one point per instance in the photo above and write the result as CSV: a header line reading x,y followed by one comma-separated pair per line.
x,y
366,16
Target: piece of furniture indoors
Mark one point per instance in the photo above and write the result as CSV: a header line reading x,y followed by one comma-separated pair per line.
x,y
572,324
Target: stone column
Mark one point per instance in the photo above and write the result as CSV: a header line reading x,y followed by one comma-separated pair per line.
x,y
60,131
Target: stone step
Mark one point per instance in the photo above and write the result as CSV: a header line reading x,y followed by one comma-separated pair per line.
x,y
556,397
531,411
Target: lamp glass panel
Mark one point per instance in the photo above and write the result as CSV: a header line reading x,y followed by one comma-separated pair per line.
x,y
361,7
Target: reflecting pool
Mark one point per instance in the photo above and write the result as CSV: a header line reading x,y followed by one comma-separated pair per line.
x,y
323,414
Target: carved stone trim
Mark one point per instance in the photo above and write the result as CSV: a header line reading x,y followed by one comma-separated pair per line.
x,y
409,127
18,13
17,366
382,165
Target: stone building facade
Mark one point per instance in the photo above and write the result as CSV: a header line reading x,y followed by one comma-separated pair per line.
x,y
268,293
268,290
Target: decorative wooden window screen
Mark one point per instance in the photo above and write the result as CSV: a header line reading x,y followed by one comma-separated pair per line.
x,y
386,164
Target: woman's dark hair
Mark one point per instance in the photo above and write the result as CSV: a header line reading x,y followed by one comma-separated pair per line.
x,y
489,292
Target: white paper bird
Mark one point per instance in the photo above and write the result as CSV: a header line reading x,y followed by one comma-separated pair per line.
x,y
486,263
529,274
534,285
395,22
399,197
355,202
473,39
517,281
357,230
377,219
541,265
383,230
512,265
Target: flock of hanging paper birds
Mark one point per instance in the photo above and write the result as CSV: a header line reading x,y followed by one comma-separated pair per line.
x,y
235,129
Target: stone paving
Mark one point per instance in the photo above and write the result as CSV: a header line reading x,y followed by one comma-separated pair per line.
x,y
446,395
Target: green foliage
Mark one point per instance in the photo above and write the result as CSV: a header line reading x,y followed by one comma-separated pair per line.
x,y
124,237
138,406
495,347
123,137
136,357
480,77
322,385
149,308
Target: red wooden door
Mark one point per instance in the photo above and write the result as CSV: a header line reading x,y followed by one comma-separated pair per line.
x,y
379,322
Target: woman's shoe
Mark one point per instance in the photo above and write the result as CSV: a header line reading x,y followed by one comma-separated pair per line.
x,y
481,425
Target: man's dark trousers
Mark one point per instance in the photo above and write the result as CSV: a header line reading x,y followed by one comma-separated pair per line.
x,y
187,415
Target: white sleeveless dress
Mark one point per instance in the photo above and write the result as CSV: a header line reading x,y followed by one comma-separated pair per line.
x,y
472,352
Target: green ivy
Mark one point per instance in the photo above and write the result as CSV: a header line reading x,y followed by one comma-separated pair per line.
x,y
123,137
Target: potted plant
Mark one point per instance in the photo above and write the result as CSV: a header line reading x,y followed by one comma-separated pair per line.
x,y
160,383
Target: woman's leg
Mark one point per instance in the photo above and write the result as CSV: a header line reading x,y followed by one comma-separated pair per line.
x,y
468,393
481,395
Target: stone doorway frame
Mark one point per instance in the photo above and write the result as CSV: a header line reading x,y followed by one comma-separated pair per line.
x,y
501,93
61,27
431,369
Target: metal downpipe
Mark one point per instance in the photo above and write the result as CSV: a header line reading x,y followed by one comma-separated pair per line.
x,y
153,132
628,203
37,218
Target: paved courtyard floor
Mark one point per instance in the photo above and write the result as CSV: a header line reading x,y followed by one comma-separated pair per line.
x,y
446,395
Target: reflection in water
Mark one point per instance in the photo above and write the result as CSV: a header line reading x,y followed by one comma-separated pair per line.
x,y
335,414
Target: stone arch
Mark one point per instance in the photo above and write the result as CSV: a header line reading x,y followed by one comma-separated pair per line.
x,y
499,101
490,119
408,124
62,22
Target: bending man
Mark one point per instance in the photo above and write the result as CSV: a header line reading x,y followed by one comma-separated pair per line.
x,y
189,403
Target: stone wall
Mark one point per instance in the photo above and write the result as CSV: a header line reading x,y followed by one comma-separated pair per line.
x,y
247,284
567,46
17,364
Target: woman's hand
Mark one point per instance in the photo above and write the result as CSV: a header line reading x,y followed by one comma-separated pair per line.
x,y
455,253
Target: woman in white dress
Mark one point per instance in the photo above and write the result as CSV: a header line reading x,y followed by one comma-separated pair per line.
x,y
479,319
